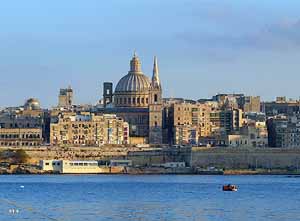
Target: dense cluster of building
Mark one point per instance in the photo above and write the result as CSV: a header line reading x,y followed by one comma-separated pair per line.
x,y
135,112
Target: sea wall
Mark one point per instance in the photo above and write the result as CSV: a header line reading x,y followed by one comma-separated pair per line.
x,y
244,158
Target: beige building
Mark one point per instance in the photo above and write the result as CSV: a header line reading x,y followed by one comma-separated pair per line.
x,y
88,129
252,135
20,136
65,97
138,100
189,122
251,104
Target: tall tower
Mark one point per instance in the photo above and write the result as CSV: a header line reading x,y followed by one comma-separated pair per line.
x,y
107,93
65,98
155,107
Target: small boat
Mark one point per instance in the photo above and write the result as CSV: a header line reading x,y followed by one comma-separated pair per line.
x,y
230,187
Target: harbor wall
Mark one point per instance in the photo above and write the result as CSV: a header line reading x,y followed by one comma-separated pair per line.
x,y
245,158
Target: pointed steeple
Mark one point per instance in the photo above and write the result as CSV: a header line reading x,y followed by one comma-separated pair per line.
x,y
155,77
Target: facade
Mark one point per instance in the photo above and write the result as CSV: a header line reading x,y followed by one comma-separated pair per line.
x,y
16,137
188,122
250,104
107,93
65,98
249,136
284,131
226,121
281,106
88,129
25,125
71,167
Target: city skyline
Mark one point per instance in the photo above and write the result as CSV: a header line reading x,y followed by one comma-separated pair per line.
x,y
204,48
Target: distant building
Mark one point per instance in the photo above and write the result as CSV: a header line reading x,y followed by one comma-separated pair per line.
x,y
187,122
107,93
71,167
19,137
226,121
138,100
281,106
250,104
87,129
284,131
29,120
249,136
65,98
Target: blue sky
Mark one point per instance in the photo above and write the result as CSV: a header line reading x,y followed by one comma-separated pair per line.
x,y
204,47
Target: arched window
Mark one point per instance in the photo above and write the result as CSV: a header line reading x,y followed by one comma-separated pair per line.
x,y
155,98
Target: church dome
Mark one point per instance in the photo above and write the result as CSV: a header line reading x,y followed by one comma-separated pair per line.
x,y
32,104
135,80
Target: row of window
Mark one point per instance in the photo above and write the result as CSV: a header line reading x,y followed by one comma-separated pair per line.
x,y
132,100
16,136
11,144
83,164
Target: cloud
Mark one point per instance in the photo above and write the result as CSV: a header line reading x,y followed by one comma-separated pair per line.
x,y
284,35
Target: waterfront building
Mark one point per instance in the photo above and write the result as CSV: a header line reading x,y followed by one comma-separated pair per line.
x,y
28,123
255,135
20,137
284,131
70,167
88,129
187,122
226,121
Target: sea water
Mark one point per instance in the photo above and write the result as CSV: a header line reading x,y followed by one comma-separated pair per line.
x,y
124,197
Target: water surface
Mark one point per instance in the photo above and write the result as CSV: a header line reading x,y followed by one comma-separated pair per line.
x,y
100,197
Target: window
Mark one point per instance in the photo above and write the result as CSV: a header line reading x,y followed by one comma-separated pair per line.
x,y
155,98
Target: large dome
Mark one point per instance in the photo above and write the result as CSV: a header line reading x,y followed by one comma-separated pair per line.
x,y
133,89
133,82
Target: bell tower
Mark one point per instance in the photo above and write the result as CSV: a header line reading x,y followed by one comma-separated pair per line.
x,y
155,107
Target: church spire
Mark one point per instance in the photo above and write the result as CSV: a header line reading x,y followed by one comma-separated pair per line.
x,y
155,77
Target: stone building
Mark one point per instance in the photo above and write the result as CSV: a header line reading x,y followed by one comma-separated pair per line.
x,y
281,106
65,97
138,100
284,131
250,104
27,117
20,137
188,122
87,129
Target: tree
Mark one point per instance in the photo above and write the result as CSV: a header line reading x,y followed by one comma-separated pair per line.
x,y
21,156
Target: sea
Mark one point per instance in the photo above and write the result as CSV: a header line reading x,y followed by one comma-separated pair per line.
x,y
149,197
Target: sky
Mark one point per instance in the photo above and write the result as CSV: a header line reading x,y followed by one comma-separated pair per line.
x,y
204,47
